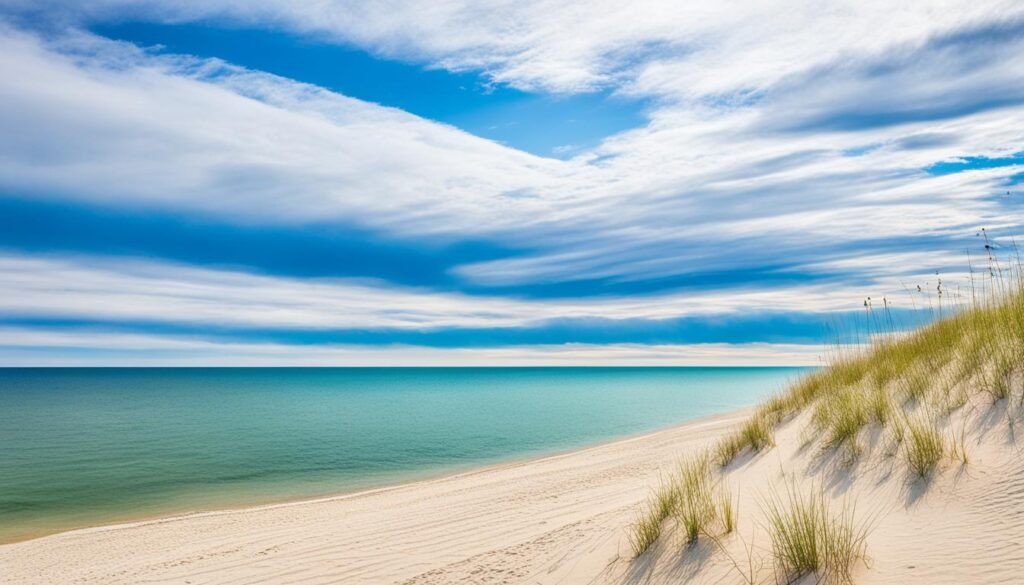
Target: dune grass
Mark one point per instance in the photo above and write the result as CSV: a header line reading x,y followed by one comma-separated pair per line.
x,y
958,447
840,416
879,406
695,509
907,383
728,448
809,537
694,498
924,446
647,529
727,511
756,434
995,380
903,386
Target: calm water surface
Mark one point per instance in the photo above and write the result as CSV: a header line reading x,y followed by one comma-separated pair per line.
x,y
88,446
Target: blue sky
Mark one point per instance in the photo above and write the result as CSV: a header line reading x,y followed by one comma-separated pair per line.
x,y
541,123
452,182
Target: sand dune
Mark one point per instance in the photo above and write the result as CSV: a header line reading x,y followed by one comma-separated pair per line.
x,y
563,519
963,525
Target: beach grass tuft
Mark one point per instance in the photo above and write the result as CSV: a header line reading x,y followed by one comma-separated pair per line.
x,y
695,507
924,446
727,511
840,415
694,497
958,447
809,537
757,432
646,530
728,448
879,406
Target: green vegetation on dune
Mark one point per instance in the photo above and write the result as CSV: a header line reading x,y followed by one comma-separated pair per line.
x,y
809,536
906,383
695,498
901,392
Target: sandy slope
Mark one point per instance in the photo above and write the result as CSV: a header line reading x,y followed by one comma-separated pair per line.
x,y
964,525
562,520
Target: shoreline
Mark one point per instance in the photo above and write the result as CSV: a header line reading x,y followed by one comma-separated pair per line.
x,y
425,480
566,518
565,511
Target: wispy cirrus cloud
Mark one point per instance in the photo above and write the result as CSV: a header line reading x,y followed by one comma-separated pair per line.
x,y
787,159
660,46
90,347
260,148
232,308
103,121
127,290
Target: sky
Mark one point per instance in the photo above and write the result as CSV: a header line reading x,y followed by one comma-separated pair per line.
x,y
455,182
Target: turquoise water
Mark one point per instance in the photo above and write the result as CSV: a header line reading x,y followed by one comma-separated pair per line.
x,y
93,445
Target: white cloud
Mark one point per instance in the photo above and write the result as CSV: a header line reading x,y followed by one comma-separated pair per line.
x,y
782,136
103,121
131,291
652,46
695,191
22,347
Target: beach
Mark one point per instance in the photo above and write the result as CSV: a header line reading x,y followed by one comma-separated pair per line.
x,y
86,447
511,293
562,519
556,519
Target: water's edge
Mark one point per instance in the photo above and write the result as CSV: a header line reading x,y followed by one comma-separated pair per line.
x,y
440,476
90,447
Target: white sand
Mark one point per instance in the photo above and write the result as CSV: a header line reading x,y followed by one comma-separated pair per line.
x,y
562,519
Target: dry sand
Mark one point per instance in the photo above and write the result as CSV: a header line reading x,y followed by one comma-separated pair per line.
x,y
563,519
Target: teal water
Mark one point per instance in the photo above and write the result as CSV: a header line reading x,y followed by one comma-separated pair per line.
x,y
86,446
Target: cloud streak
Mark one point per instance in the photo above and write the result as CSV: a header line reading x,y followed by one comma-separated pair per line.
x,y
785,164
139,290
42,347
